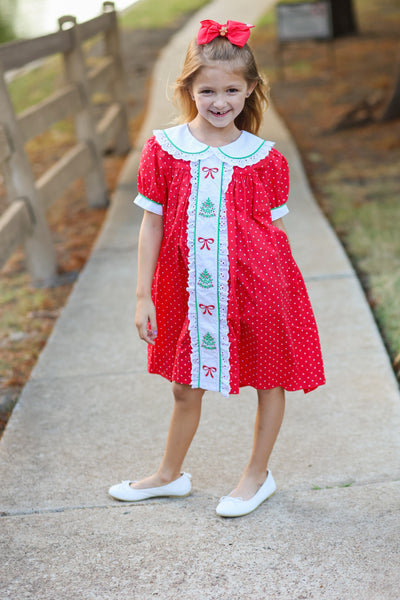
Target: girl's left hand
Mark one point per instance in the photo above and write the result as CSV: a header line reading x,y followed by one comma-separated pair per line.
x,y
145,320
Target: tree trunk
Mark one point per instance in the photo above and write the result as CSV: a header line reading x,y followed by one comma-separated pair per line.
x,y
343,20
393,108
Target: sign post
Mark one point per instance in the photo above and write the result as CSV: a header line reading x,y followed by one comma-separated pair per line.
x,y
302,21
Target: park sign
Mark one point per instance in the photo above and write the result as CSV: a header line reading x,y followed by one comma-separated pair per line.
x,y
304,21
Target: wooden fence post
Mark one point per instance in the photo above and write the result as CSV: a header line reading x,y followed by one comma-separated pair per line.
x,y
38,245
96,188
119,93
5,155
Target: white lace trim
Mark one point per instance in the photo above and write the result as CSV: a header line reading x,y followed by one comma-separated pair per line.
x,y
168,146
224,287
247,150
246,161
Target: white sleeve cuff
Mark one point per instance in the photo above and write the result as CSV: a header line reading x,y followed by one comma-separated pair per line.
x,y
148,204
279,212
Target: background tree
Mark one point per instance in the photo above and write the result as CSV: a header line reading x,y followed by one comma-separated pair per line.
x,y
343,19
393,108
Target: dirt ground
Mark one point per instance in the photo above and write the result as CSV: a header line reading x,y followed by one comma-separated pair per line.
x,y
319,87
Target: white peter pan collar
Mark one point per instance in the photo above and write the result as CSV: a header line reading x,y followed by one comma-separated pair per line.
x,y
179,142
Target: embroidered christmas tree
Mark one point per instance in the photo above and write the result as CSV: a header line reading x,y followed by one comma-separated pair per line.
x,y
205,280
207,209
208,342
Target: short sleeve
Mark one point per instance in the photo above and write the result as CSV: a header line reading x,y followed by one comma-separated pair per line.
x,y
280,185
151,178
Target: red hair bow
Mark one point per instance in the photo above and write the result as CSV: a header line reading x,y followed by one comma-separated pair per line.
x,y
236,32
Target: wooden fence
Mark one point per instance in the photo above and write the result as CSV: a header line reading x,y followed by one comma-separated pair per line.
x,y
24,221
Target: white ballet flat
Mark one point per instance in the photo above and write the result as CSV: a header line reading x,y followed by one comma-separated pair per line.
x,y
237,507
180,488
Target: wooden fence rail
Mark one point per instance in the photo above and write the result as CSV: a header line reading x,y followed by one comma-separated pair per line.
x,y
24,221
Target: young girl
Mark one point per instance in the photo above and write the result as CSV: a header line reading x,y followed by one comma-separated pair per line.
x,y
220,300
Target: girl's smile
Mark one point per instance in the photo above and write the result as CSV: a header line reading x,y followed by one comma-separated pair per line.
x,y
219,94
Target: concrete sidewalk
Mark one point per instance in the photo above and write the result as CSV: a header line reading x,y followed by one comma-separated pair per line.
x,y
90,416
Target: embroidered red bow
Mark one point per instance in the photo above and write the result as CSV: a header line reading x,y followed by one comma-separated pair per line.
x,y
207,309
210,171
206,242
237,33
209,371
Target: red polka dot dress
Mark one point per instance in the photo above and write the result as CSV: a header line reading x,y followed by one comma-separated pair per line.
x,y
232,308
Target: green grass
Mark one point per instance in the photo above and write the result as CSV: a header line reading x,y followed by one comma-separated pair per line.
x,y
345,484
368,223
158,13
36,85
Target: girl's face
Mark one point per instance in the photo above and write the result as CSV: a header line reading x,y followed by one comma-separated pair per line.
x,y
219,95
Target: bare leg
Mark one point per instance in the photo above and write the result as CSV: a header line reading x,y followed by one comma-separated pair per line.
x,y
184,422
271,407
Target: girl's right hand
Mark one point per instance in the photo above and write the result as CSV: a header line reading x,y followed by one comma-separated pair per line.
x,y
145,315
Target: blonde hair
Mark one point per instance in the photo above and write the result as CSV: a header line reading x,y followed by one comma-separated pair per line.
x,y
241,59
